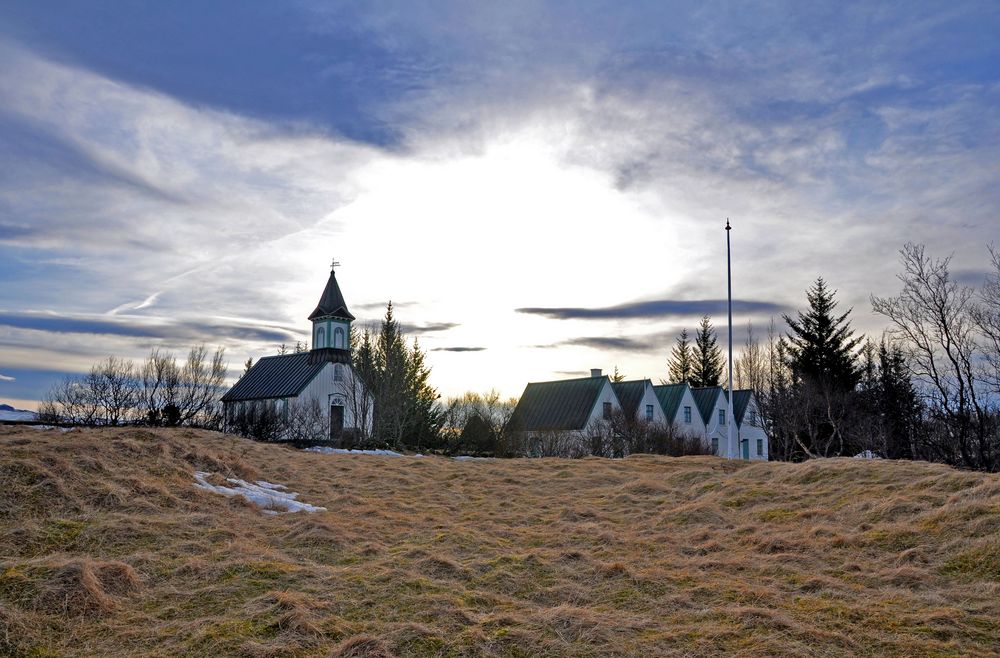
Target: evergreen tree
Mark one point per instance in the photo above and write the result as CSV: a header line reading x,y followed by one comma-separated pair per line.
x,y
680,366
398,376
706,368
617,376
821,344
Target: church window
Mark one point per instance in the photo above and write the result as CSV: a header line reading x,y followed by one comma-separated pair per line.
x,y
338,372
649,412
687,414
760,447
320,337
607,411
722,416
338,338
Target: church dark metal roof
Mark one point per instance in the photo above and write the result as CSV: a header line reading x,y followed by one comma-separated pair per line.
x,y
275,377
332,303
560,405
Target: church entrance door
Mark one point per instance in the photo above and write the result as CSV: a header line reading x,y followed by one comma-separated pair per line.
x,y
336,422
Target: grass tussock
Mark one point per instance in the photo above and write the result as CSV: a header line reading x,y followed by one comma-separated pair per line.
x,y
108,548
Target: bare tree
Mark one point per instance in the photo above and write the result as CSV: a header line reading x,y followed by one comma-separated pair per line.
x,y
201,383
935,318
304,421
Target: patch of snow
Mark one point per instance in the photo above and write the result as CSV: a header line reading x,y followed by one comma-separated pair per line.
x,y
342,451
867,454
271,498
468,458
50,427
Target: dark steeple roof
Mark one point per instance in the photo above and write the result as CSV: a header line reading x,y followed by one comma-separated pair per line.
x,y
332,302
559,405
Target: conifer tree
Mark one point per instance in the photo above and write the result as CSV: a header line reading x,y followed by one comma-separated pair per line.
x,y
821,344
707,362
680,366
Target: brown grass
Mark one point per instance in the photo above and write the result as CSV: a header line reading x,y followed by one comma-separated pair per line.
x,y
107,548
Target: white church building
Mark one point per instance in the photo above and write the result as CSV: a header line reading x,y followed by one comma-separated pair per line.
x,y
323,375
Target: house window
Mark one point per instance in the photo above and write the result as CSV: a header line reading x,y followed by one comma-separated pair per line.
x,y
687,414
338,372
715,445
760,447
722,416
607,411
649,412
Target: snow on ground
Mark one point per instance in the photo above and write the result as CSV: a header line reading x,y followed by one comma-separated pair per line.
x,y
466,458
867,454
343,451
272,498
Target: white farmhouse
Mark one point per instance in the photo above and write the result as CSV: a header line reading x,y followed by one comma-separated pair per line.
x,y
322,376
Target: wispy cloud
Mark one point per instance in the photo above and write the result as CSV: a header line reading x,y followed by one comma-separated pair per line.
x,y
657,309
6,378
458,349
178,329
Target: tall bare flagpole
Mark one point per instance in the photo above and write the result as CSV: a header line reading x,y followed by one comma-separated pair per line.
x,y
729,280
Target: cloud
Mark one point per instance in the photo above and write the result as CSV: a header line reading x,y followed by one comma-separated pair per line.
x,y
612,343
458,349
135,306
5,378
427,328
657,309
197,330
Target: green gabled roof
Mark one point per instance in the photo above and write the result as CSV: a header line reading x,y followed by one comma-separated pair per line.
x,y
670,396
560,405
332,303
741,400
705,399
629,395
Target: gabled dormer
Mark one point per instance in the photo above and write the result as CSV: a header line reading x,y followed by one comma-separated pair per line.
x,y
331,330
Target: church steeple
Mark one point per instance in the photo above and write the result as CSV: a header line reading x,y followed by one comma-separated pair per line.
x,y
332,303
331,336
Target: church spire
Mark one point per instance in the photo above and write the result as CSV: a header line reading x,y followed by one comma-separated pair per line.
x,y
332,303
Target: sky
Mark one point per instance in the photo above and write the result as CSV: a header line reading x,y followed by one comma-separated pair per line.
x,y
540,188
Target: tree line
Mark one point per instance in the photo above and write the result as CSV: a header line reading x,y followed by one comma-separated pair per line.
x,y
928,388
159,391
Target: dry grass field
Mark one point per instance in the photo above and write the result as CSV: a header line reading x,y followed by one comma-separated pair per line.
x,y
108,549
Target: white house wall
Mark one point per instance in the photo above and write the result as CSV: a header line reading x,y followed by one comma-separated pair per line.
x,y
649,398
607,394
753,432
697,426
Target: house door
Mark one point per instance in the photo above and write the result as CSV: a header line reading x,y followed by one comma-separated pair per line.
x,y
746,448
336,422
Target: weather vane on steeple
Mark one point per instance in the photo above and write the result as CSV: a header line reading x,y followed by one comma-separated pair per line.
x,y
334,265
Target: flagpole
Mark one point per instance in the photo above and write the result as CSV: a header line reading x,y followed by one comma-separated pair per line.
x,y
729,281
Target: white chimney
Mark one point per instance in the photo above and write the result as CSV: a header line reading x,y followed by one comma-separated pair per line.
x,y
595,372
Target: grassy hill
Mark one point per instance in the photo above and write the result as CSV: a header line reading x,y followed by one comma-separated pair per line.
x,y
108,548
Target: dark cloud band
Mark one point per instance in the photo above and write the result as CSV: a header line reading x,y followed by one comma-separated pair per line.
x,y
658,308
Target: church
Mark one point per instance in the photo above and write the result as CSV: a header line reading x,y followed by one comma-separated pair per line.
x,y
323,375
